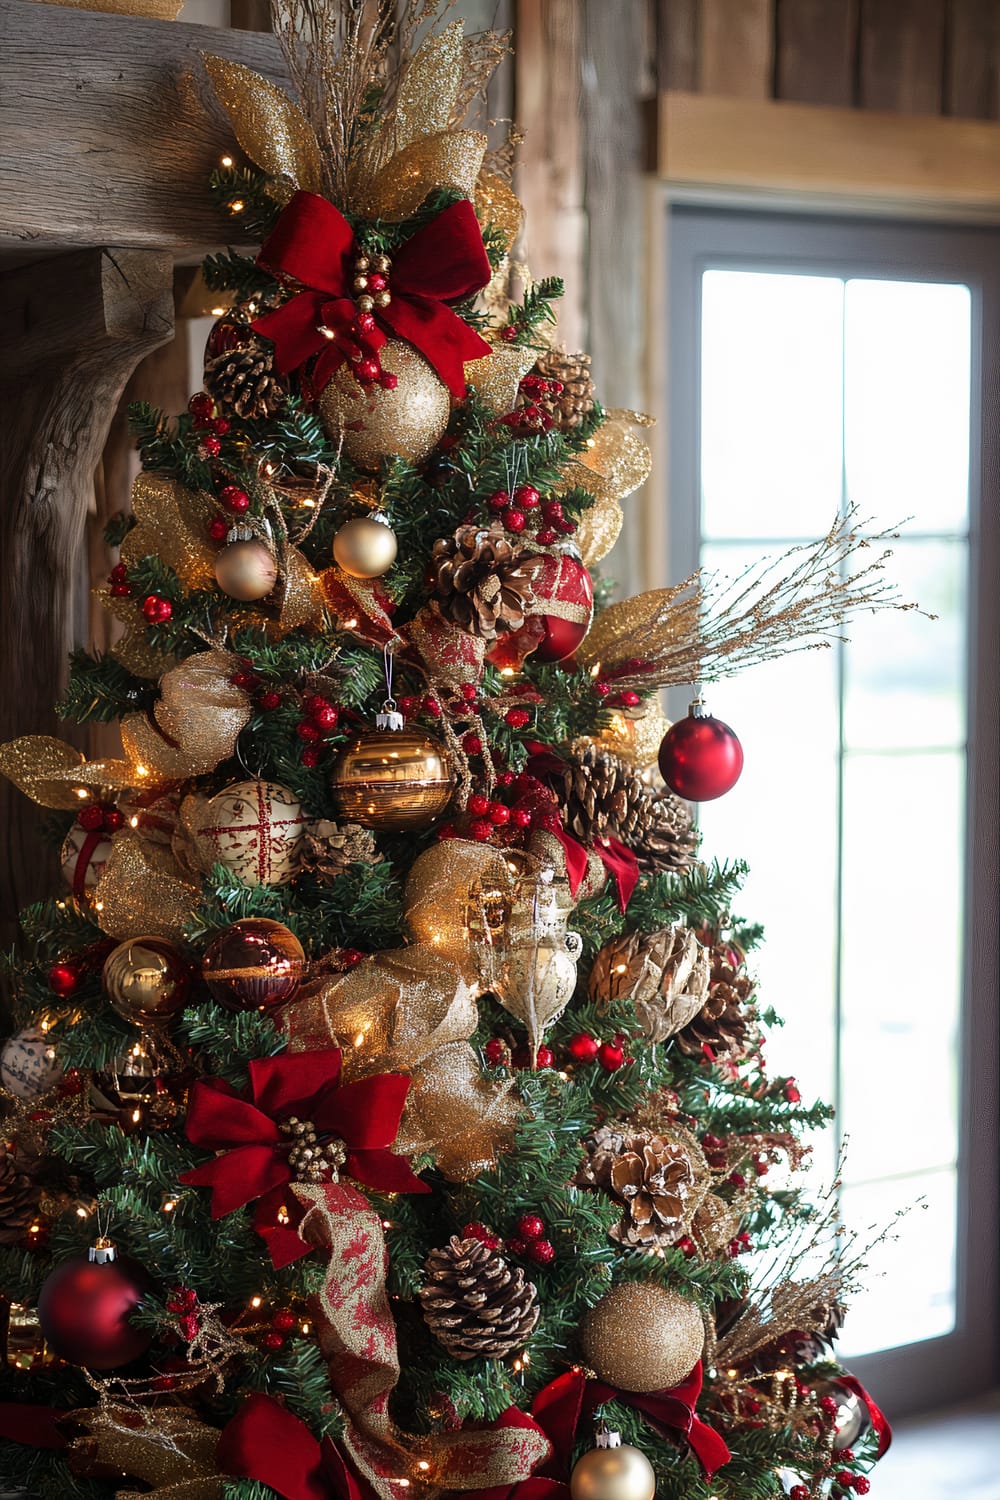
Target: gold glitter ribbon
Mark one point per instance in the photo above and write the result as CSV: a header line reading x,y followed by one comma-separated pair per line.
x,y
194,725
498,205
496,378
302,601
171,524
615,462
357,1336
54,774
269,126
141,890
166,1448
654,623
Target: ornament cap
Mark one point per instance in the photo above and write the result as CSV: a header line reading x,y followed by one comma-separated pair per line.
x,y
389,717
102,1252
607,1438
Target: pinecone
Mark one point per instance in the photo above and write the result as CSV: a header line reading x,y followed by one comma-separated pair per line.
x,y
474,1303
19,1197
483,582
605,796
244,380
724,1021
651,1177
576,399
665,974
329,848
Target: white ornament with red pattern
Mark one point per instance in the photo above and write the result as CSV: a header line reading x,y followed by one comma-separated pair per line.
x,y
254,828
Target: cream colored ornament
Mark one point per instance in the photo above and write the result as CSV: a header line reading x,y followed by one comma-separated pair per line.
x,y
376,423
69,856
542,954
253,828
642,1337
29,1064
365,547
613,1471
246,568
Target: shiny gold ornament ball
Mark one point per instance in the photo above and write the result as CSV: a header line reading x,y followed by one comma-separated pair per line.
x,y
246,570
364,547
407,421
254,964
392,779
642,1337
622,1473
146,980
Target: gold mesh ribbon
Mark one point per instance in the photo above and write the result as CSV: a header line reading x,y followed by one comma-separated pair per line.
x,y
194,725
495,379
171,523
302,593
269,126
615,462
450,656
141,890
165,1448
54,774
498,205
357,1337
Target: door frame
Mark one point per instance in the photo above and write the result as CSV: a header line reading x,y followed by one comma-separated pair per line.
x,y
934,1372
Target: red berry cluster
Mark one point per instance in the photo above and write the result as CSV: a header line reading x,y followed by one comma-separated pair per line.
x,y
584,1048
282,1323
320,720
480,1232
529,1242
118,579
524,510
521,803
531,416
791,1091
740,1245
499,1054
848,1481
211,428
157,609
100,817
183,1302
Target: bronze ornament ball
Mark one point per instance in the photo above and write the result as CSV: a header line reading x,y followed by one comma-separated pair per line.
x,y
246,570
146,980
254,965
620,1473
642,1337
365,547
406,421
392,780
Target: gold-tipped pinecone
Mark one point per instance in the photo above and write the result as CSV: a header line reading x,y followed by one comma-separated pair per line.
x,y
19,1196
606,797
651,1177
474,1303
483,582
725,1021
243,380
328,849
665,974
576,399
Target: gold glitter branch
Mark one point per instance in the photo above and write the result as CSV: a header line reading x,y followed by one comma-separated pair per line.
x,y
711,626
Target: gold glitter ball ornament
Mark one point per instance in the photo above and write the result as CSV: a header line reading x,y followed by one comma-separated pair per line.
x,y
365,547
406,421
254,828
246,569
392,779
254,965
613,1473
146,980
642,1337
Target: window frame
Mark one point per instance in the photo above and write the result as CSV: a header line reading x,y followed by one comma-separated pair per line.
x,y
934,1372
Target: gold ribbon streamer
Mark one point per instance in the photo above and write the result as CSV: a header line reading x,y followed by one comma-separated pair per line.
x,y
54,774
357,1337
171,523
166,1448
496,378
269,126
194,725
141,890
450,159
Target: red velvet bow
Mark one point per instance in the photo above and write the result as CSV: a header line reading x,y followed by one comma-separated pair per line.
x,y
559,1407
313,244
364,1115
264,1441
878,1418
618,860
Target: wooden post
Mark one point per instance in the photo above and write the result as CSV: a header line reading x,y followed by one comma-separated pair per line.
x,y
76,326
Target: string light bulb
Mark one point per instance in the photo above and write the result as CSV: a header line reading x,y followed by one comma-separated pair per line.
x,y
227,161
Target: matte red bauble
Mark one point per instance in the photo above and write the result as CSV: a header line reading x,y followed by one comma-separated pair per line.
x,y
700,757
84,1309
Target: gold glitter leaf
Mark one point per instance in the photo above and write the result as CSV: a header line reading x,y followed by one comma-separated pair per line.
x,y
429,88
166,1448
495,377
450,159
499,205
302,601
269,126
617,459
598,529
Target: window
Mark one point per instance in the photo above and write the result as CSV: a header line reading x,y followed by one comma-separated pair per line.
x,y
816,366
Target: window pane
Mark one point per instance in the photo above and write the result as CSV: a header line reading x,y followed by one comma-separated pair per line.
x,y
906,408
771,456
904,673
901,974
910,1281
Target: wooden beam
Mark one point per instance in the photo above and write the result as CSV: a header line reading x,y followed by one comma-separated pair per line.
x,y
76,327
972,81
902,44
849,158
108,126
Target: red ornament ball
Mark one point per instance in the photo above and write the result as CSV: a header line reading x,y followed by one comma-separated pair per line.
x,y
564,584
84,1309
700,757
283,1320
63,979
582,1048
254,964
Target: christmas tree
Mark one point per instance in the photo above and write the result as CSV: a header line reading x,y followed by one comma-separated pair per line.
x,y
387,1109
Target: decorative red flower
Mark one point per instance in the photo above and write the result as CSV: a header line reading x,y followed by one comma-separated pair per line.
x,y
261,1147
